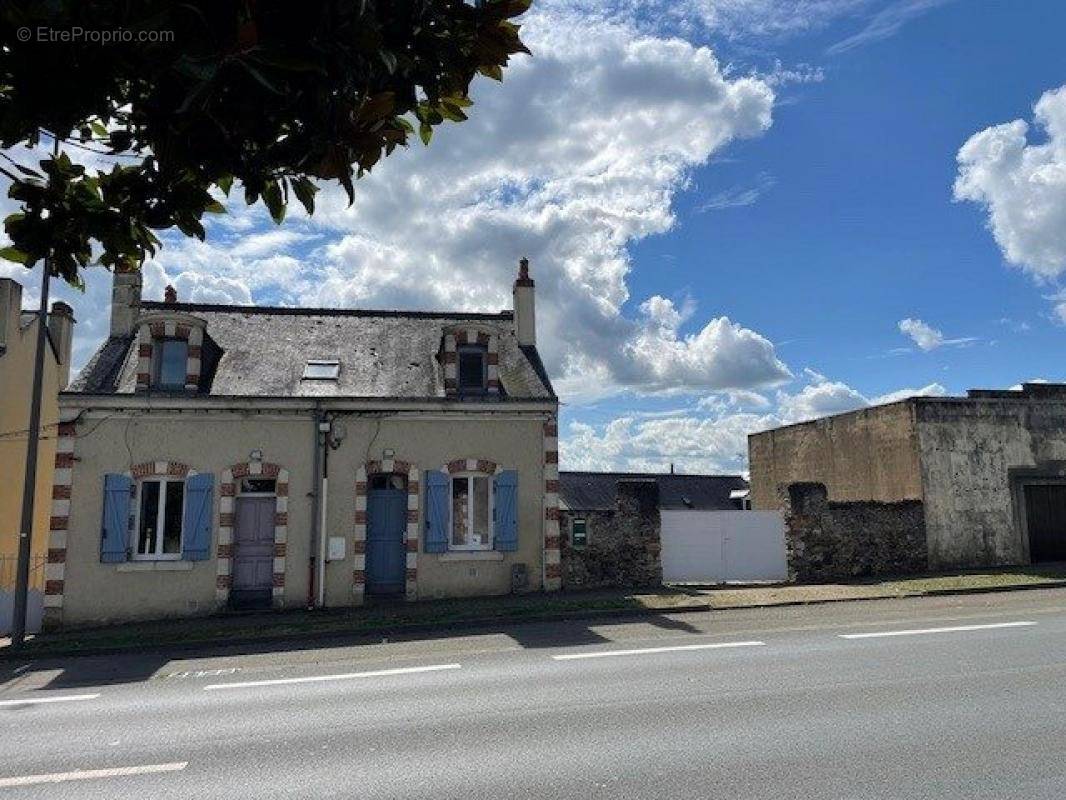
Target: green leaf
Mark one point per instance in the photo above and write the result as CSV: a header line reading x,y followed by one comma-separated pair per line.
x,y
225,183
305,191
493,71
14,254
215,207
274,202
425,130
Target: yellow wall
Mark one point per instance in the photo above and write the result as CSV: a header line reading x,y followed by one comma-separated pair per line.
x,y
871,454
16,379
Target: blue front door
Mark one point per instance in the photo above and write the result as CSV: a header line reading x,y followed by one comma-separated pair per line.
x,y
386,534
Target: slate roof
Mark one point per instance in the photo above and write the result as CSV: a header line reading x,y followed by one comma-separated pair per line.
x,y
252,351
595,491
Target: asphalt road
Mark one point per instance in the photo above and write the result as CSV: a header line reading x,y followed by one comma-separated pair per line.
x,y
966,699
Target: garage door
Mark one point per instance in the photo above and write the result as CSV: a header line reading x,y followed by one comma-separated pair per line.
x,y
1045,512
723,546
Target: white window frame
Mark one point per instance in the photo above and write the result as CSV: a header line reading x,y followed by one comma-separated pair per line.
x,y
468,476
160,516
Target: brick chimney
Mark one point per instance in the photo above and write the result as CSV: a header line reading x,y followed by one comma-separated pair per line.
x,y
61,331
525,323
170,295
125,301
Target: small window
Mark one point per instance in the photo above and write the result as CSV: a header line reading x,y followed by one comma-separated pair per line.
x,y
472,371
471,512
171,363
382,481
257,486
162,504
322,370
579,536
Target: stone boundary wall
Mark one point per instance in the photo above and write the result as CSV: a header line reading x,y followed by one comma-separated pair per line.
x,y
624,545
828,540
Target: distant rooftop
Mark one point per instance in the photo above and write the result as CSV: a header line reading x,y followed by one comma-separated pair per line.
x,y
596,491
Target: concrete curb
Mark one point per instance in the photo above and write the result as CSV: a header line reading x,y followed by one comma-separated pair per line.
x,y
353,636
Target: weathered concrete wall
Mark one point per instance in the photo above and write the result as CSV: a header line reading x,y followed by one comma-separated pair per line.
x,y
623,547
976,453
828,541
112,441
870,454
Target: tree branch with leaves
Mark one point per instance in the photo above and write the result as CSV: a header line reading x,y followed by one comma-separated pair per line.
x,y
271,94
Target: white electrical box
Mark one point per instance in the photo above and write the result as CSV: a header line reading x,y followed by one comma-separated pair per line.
x,y
336,548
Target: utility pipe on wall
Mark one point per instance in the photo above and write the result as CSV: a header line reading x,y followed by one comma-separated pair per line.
x,y
322,543
316,489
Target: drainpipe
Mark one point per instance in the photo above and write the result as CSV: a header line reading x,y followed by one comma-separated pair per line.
x,y
324,427
316,478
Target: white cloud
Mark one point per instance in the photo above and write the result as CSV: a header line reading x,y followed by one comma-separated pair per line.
x,y
925,336
712,436
1022,186
886,23
740,196
1058,308
780,75
929,338
576,156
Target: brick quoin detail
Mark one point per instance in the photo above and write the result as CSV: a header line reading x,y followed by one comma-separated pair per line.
x,y
229,488
53,587
394,466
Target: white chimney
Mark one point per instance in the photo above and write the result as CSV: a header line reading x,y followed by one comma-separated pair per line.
x,y
61,330
525,310
125,301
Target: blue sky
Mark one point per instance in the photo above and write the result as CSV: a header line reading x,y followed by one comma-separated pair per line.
x,y
858,229
739,213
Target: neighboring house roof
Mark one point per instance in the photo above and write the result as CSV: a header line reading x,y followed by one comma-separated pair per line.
x,y
256,351
595,491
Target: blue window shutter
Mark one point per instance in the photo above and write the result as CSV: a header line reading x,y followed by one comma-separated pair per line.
x,y
505,511
114,536
196,527
436,540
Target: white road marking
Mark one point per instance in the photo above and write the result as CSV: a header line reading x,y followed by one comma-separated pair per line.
x,y
924,631
35,700
89,774
319,678
649,650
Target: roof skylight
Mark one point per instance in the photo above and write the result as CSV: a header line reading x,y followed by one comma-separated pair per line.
x,y
322,370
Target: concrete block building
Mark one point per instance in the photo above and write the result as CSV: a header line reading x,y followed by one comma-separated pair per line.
x,y
987,473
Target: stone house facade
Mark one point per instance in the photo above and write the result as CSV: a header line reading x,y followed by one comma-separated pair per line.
x,y
228,456
952,481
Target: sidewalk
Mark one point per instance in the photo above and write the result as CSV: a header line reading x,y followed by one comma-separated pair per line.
x,y
443,614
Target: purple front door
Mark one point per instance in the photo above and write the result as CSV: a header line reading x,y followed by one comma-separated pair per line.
x,y
253,552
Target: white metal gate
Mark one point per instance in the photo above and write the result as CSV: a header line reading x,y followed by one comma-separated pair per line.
x,y
723,546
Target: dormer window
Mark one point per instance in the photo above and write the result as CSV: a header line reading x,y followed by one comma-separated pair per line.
x,y
473,373
171,363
